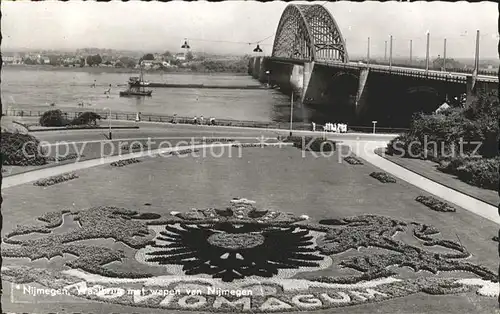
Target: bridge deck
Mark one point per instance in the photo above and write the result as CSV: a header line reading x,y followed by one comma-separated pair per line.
x,y
399,70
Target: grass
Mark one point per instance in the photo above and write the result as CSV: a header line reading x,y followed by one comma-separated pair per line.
x,y
111,204
428,169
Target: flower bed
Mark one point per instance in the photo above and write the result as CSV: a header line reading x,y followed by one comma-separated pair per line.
x,y
435,204
250,145
217,140
383,177
96,222
353,160
128,147
56,179
19,149
125,162
315,144
184,152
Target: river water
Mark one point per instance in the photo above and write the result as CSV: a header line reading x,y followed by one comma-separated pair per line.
x,y
30,89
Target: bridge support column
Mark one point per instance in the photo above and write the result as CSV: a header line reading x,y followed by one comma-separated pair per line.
x,y
264,66
250,65
256,67
307,74
297,79
362,94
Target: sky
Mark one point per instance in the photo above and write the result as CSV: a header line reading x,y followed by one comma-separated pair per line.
x,y
157,27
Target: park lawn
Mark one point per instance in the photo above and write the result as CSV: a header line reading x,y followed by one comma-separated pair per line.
x,y
277,179
428,169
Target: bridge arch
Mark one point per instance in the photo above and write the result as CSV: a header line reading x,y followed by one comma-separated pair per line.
x,y
309,33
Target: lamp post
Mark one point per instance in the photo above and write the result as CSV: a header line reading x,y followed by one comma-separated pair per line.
x,y
374,123
390,53
427,53
444,56
385,51
268,73
109,123
368,53
411,51
291,114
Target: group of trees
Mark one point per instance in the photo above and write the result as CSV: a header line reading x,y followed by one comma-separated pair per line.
x,y
56,118
94,60
450,138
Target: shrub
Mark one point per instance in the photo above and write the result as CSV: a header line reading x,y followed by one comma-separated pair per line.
x,y
447,129
53,118
481,172
86,118
383,177
56,179
435,204
21,150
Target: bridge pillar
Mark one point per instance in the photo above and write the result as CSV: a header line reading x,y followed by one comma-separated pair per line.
x,y
256,67
250,65
362,94
307,74
297,79
263,68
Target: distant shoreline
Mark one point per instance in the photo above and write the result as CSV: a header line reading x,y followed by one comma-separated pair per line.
x,y
112,70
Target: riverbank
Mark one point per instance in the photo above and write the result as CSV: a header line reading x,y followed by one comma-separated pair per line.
x,y
187,71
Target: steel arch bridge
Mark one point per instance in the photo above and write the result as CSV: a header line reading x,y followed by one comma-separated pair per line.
x,y
309,33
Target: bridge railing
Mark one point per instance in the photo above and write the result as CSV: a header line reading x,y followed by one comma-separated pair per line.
x,y
131,116
492,72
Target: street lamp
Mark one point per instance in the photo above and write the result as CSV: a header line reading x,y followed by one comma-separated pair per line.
x,y
185,45
257,49
291,113
390,53
109,122
427,52
444,56
268,73
374,122
368,52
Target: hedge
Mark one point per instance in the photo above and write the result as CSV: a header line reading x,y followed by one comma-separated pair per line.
x,y
53,118
21,150
481,172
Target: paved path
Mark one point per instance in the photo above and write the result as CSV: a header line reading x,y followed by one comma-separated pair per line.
x,y
366,150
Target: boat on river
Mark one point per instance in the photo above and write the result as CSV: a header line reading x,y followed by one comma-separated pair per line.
x,y
136,87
